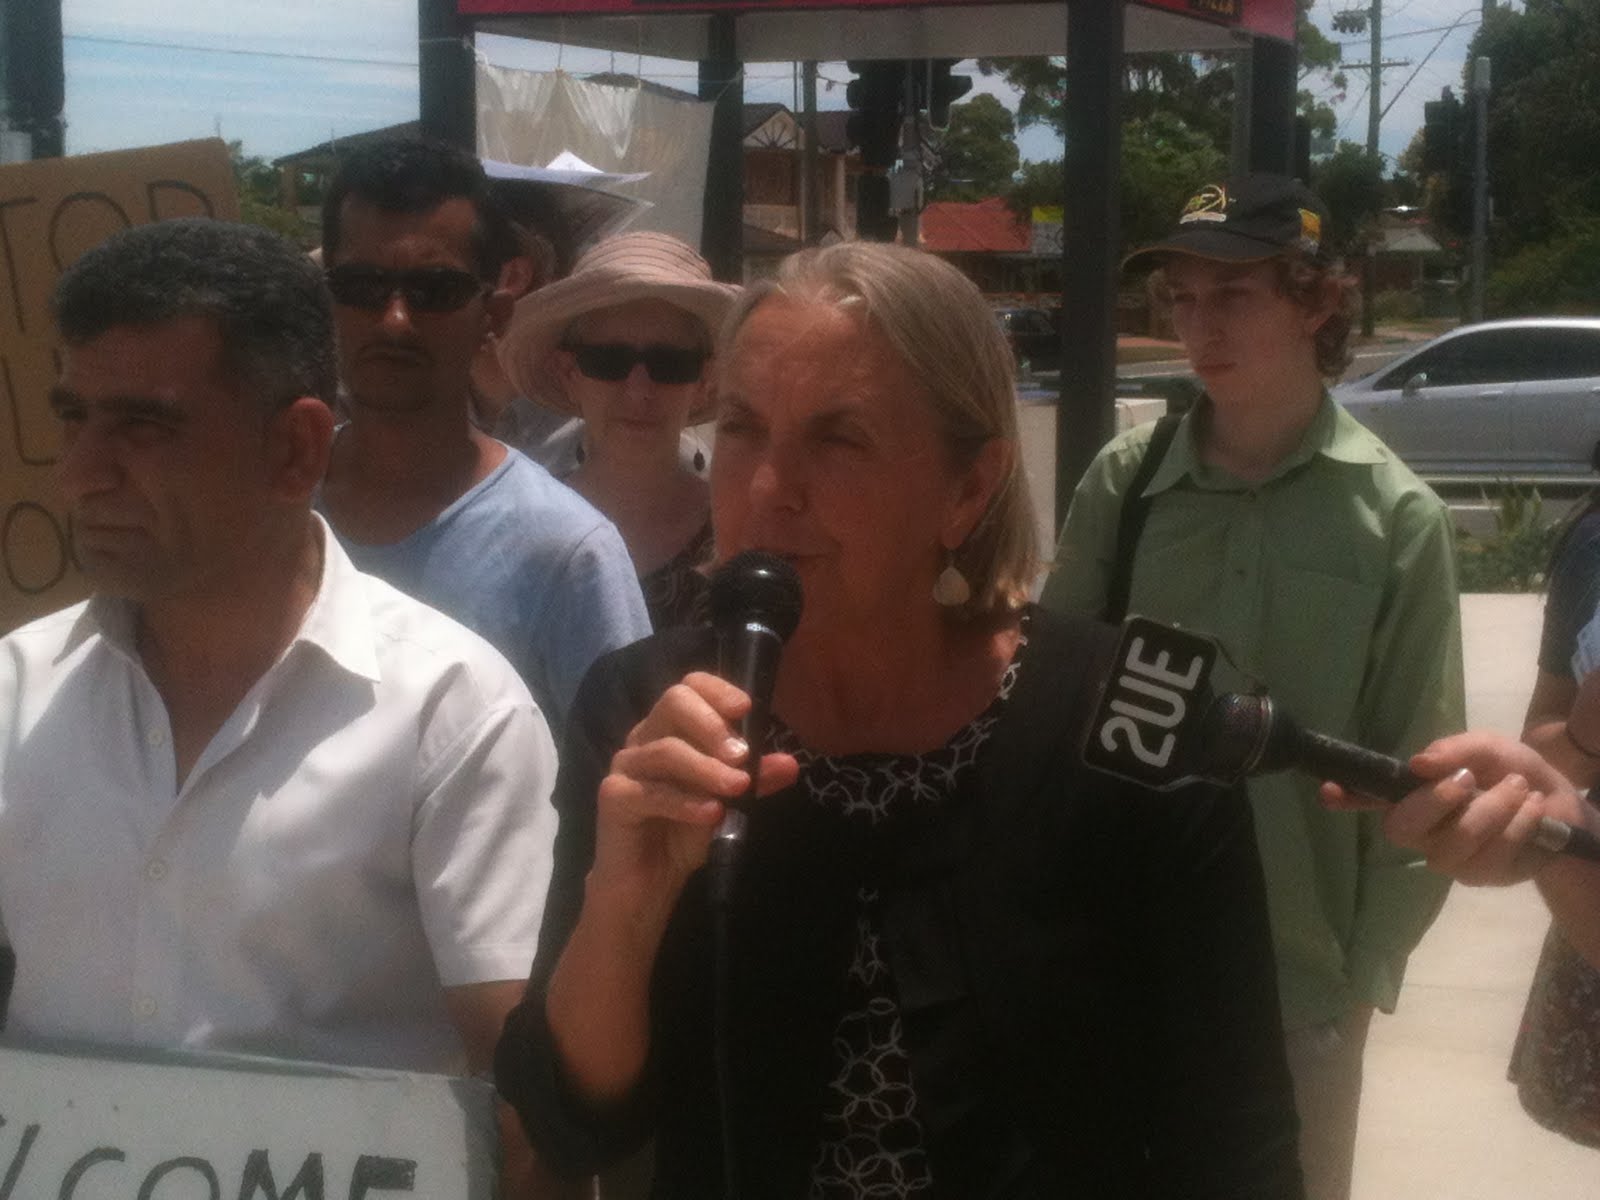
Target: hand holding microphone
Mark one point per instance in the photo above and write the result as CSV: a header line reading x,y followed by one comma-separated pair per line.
x,y
694,761
1160,724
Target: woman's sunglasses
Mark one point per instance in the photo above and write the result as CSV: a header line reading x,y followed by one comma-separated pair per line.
x,y
425,289
612,362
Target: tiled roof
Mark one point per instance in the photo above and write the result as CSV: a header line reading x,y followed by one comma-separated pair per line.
x,y
983,227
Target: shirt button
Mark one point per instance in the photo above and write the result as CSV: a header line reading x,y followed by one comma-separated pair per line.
x,y
144,1006
155,870
156,737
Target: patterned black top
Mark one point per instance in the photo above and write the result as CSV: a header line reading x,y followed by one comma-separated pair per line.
x,y
872,1142
674,593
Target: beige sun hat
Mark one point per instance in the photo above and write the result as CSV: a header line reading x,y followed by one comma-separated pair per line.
x,y
616,270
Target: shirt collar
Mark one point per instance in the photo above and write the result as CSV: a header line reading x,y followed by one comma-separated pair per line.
x,y
1333,434
338,622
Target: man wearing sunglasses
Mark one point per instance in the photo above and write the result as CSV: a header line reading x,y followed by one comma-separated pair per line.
x,y
414,242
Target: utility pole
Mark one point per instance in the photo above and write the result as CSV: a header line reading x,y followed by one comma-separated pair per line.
x,y
1349,22
1369,265
1375,76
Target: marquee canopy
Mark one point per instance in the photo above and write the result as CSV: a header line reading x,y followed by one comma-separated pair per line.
x,y
830,30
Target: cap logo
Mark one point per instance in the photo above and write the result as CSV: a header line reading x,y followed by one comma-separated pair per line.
x,y
1310,230
1210,203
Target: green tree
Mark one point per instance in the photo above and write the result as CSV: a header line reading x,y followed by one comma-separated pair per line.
x,y
1162,160
1544,121
977,156
258,185
1350,182
1038,185
1195,87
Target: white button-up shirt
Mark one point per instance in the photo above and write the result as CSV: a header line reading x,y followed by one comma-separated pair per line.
x,y
371,825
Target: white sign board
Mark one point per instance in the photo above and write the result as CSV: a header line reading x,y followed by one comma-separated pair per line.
x,y
197,1128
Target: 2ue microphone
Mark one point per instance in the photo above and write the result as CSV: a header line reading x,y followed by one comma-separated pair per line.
x,y
1160,724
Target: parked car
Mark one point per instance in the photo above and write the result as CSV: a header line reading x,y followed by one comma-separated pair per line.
x,y
1515,398
1033,336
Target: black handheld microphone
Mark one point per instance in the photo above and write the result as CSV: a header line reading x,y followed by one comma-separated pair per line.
x,y
1244,735
1160,724
755,606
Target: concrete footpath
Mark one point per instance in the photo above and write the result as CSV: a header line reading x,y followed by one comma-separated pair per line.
x,y
1438,1119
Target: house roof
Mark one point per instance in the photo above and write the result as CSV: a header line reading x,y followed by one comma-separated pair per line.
x,y
757,115
983,227
769,241
1409,240
336,146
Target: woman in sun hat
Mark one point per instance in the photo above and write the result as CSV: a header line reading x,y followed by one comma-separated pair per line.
x,y
623,342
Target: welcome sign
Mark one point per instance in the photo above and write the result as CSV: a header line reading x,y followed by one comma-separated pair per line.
x,y
51,211
170,1127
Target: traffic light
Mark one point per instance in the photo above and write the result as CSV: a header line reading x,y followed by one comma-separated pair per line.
x,y
943,90
1442,128
876,95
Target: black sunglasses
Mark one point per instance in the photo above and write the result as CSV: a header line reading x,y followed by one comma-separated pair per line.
x,y
612,361
425,289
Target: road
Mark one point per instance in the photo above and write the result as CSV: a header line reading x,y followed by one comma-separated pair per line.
x,y
1365,362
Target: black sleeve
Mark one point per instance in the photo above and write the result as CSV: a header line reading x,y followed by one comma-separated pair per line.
x,y
1222,1114
618,690
1574,594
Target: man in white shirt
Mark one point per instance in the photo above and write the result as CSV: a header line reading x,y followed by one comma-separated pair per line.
x,y
250,798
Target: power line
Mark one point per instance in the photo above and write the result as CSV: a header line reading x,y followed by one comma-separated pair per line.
x,y
1462,22
1422,64
327,58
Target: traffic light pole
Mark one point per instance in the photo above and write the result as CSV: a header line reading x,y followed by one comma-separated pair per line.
x,y
911,148
1480,187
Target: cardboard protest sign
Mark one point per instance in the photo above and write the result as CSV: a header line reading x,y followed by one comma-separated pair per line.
x,y
169,1127
50,213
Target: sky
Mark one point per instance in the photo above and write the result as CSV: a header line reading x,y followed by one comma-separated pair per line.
x,y
281,75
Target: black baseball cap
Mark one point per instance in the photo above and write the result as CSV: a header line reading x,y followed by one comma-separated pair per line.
x,y
1248,218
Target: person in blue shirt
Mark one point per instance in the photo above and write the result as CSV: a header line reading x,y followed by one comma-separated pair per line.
x,y
413,243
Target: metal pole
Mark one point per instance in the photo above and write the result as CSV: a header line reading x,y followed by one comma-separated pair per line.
x,y
1091,238
1480,187
910,148
722,80
446,75
810,159
34,80
1274,75
1243,104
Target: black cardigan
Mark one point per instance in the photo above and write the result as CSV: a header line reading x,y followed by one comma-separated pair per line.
x,y
1083,968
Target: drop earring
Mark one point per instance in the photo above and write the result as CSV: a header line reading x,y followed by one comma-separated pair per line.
x,y
951,589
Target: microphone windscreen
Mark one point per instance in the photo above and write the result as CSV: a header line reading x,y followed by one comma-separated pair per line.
x,y
756,586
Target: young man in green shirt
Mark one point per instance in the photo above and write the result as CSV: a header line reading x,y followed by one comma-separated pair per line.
x,y
1282,527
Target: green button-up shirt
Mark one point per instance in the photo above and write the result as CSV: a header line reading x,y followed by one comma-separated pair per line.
x,y
1332,582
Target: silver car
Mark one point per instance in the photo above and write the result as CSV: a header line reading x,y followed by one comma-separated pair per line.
x,y
1508,398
